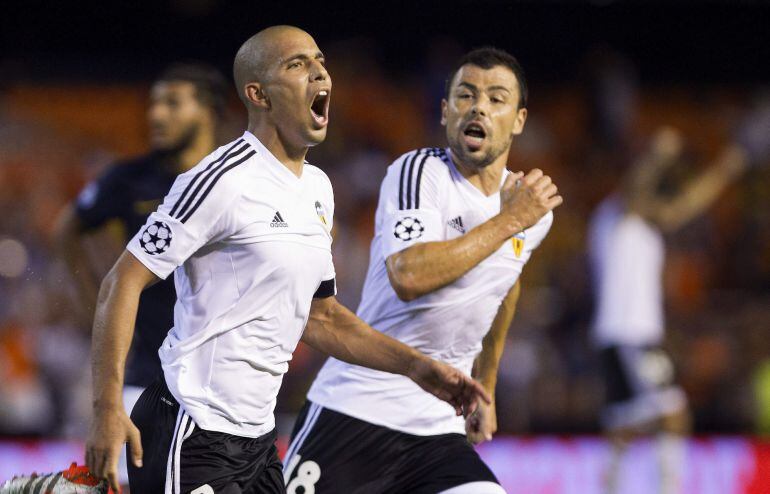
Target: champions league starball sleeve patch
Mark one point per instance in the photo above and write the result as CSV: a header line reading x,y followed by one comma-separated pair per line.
x,y
408,228
156,238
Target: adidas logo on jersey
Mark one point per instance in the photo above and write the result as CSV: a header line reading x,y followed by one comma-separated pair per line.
x,y
457,224
278,221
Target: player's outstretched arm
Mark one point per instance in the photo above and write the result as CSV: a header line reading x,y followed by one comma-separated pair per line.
x,y
669,214
113,329
426,267
482,424
700,192
336,331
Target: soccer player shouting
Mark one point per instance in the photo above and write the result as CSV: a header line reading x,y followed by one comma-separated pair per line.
x,y
246,234
453,231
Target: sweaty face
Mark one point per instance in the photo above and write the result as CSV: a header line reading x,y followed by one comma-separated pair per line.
x,y
299,89
175,115
482,114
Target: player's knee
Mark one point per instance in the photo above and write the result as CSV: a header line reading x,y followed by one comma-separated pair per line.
x,y
677,423
476,488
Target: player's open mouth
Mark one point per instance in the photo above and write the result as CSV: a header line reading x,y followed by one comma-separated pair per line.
x,y
319,109
474,134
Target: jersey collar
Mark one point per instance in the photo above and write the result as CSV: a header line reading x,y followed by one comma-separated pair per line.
x,y
270,158
461,178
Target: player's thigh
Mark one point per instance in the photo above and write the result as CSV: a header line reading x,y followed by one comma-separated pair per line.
x,y
211,461
476,488
443,462
155,415
271,479
331,452
640,388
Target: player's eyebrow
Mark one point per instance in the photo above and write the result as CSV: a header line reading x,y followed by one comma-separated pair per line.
x,y
498,88
473,87
467,85
303,56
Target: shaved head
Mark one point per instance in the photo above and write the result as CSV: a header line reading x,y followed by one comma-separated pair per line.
x,y
281,77
255,55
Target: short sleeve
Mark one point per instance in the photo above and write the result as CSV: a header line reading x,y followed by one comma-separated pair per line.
x,y
101,199
325,210
189,218
327,288
409,207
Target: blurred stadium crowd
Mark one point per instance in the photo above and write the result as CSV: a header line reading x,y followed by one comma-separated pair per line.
x,y
583,132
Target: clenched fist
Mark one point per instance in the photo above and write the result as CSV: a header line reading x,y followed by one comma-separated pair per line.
x,y
524,199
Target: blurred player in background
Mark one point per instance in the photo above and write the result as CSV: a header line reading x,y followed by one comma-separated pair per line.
x,y
627,250
453,232
186,103
246,233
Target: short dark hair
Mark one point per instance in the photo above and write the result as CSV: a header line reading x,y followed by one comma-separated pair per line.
x,y
210,85
488,57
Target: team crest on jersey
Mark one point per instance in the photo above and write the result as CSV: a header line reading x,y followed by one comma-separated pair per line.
x,y
321,212
408,228
156,238
518,243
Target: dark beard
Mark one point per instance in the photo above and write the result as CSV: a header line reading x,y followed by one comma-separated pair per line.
x,y
477,162
184,142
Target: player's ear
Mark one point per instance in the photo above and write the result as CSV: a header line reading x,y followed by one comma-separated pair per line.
x,y
518,124
256,95
444,104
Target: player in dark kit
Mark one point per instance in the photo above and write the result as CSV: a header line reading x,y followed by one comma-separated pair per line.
x,y
186,103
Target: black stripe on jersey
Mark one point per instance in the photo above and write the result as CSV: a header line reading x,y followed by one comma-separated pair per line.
x,y
207,174
401,183
419,178
409,180
441,153
325,289
221,171
189,187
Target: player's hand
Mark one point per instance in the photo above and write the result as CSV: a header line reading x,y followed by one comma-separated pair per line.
x,y
448,384
481,425
524,199
667,144
110,429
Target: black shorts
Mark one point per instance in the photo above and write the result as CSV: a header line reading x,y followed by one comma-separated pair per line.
x,y
180,457
336,453
640,386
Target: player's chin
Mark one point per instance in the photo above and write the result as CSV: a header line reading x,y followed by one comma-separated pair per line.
x,y
162,142
315,135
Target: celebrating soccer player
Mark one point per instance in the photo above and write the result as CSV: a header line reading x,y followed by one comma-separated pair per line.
x,y
453,232
246,233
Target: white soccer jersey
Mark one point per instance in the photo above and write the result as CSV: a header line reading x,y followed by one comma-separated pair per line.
x,y
424,198
627,255
249,244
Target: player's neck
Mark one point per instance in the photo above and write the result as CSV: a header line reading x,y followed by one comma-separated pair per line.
x,y
487,179
289,156
200,147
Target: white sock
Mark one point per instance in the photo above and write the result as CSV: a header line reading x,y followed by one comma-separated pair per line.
x,y
671,455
